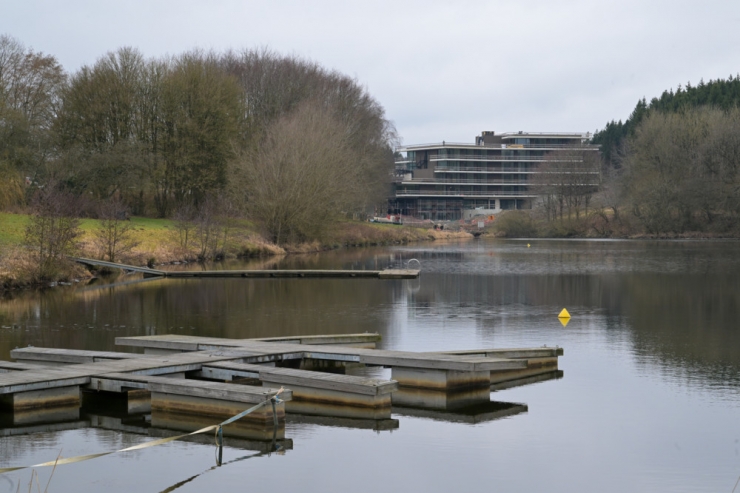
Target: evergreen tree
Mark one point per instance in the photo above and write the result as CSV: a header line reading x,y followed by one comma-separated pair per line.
x,y
720,93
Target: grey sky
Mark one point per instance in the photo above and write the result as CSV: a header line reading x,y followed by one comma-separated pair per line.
x,y
442,70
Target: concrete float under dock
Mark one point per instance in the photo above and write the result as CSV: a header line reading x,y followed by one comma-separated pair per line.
x,y
316,393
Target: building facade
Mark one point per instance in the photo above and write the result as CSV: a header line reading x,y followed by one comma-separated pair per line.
x,y
450,181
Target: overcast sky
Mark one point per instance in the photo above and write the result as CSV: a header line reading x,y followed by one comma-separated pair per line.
x,y
442,70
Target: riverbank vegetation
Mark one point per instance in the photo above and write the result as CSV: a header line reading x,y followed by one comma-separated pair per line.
x,y
237,153
206,155
671,170
153,241
194,130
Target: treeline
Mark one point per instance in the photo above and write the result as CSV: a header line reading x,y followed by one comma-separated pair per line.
x,y
672,168
681,171
275,138
720,93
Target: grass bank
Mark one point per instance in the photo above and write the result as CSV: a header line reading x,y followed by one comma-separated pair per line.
x,y
160,241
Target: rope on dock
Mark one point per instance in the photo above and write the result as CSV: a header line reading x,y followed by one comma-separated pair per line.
x,y
80,458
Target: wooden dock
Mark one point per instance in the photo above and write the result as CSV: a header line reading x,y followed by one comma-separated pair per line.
x,y
257,274
211,378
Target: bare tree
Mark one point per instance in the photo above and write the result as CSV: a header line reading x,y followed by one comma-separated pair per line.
x,y
207,229
682,170
184,222
661,162
114,237
303,175
52,230
275,86
566,181
30,84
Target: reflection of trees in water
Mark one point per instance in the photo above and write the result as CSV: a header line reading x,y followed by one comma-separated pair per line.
x,y
11,447
683,322
354,258
28,313
488,295
235,308
685,319
688,323
47,445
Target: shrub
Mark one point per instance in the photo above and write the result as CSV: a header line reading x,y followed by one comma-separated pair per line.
x,y
515,224
52,230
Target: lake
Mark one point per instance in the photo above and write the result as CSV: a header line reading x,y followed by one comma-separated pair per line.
x,y
649,399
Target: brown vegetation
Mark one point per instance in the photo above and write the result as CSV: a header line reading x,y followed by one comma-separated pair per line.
x,y
682,171
306,172
212,140
114,237
52,232
566,181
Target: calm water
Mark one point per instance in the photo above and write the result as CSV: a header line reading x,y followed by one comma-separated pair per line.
x,y
649,401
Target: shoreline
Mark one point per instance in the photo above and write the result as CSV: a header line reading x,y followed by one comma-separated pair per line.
x,y
157,245
16,266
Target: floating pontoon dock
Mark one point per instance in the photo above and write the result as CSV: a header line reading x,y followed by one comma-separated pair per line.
x,y
206,377
257,274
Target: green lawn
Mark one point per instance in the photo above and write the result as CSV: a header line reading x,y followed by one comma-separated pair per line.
x,y
157,237
12,228
148,231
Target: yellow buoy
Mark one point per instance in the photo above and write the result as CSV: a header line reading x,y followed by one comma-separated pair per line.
x,y
528,245
564,317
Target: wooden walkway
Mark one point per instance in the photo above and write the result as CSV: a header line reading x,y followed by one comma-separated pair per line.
x,y
198,376
258,274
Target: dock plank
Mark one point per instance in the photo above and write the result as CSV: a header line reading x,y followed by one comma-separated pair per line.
x,y
44,378
70,356
518,353
312,379
258,274
177,342
329,381
6,366
216,390
342,353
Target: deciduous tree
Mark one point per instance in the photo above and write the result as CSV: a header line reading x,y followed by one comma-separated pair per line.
x,y
30,84
565,182
114,235
52,229
303,175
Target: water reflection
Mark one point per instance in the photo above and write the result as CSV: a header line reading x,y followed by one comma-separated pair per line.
x,y
681,300
471,414
650,402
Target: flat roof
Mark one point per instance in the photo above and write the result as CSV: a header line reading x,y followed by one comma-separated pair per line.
x,y
558,135
504,135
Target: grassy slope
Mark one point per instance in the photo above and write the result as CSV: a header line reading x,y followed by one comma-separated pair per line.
x,y
11,228
148,232
156,237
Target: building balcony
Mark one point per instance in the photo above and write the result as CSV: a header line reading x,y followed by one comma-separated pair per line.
x,y
466,194
411,163
468,145
463,181
511,169
466,157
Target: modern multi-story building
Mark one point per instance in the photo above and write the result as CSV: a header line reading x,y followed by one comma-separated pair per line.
x,y
450,181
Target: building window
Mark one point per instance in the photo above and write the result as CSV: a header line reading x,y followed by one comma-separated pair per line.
x,y
507,204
